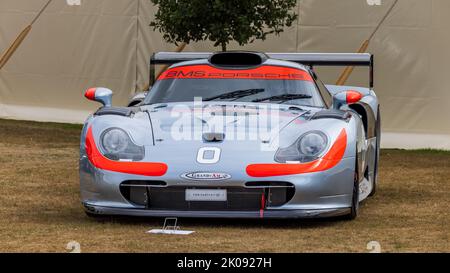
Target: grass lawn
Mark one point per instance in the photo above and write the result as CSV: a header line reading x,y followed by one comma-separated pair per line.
x,y
40,209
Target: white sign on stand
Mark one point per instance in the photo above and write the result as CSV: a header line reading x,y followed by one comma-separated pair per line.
x,y
173,229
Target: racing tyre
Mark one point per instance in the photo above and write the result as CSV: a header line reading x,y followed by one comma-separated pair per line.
x,y
93,215
377,154
355,197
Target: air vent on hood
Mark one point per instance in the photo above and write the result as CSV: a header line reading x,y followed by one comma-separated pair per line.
x,y
238,58
117,111
331,114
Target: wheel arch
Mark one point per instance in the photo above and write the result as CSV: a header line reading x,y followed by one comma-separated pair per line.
x,y
367,116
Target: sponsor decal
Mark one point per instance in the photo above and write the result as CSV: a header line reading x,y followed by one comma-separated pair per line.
x,y
210,176
263,73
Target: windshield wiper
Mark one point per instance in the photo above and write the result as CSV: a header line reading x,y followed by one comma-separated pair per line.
x,y
284,98
236,94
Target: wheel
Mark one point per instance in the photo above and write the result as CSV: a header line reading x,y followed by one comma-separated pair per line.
x,y
99,217
355,197
377,154
93,215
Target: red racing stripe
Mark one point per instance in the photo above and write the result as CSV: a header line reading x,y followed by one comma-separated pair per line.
x,y
331,159
137,168
261,73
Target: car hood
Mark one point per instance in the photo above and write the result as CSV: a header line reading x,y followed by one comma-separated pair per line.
x,y
175,134
222,122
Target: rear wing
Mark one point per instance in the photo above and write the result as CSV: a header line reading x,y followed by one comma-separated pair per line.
x,y
309,59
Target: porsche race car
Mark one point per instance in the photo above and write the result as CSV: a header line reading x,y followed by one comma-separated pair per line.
x,y
234,135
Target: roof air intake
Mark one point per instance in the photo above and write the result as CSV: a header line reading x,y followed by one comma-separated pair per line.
x,y
237,58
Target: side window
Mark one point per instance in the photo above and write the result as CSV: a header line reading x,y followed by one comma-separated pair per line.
x,y
328,99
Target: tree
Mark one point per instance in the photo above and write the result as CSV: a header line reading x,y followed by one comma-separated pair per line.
x,y
222,21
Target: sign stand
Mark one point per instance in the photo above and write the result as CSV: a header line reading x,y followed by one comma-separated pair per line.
x,y
170,227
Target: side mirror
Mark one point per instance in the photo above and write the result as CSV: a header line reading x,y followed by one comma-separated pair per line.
x,y
100,94
346,98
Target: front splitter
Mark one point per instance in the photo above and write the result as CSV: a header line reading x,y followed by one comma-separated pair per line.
x,y
268,213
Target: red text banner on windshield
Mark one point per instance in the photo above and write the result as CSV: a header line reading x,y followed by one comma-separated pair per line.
x,y
259,73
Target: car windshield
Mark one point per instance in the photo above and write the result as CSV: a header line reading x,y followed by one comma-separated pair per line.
x,y
265,84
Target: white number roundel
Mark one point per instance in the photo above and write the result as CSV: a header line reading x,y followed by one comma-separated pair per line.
x,y
208,155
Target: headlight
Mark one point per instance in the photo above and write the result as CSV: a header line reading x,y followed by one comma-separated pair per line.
x,y
117,145
115,141
307,148
312,144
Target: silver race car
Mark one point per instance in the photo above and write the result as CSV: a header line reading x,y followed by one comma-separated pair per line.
x,y
234,134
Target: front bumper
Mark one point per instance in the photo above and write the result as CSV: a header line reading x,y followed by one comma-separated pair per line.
x,y
321,194
272,214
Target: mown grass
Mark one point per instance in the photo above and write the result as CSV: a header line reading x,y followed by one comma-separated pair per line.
x,y
40,209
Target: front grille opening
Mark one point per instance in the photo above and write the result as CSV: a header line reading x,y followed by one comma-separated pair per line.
x,y
238,198
278,192
143,183
174,198
269,184
135,191
279,196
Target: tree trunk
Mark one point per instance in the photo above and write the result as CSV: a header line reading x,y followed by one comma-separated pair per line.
x,y
224,46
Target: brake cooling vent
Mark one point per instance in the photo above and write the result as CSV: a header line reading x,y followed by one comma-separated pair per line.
x,y
238,58
331,114
117,111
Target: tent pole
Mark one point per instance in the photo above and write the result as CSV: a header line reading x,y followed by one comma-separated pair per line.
x,y
349,69
20,38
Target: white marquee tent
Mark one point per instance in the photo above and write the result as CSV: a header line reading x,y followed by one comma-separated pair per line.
x,y
108,43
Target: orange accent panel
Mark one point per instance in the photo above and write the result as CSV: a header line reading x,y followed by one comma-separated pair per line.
x,y
331,159
137,168
261,73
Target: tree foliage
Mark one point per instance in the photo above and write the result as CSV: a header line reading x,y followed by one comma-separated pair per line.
x,y
222,21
